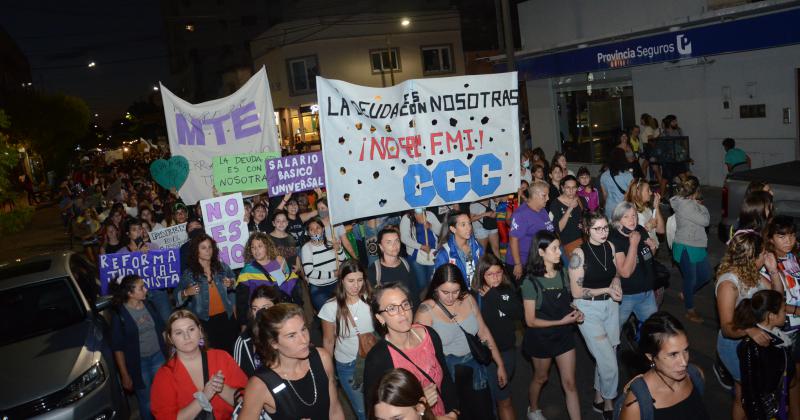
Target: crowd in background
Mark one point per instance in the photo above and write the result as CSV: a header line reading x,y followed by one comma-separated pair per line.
x,y
418,311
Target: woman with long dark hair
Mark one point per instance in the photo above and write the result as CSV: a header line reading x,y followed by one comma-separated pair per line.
x,y
663,391
459,246
390,266
596,291
452,312
765,369
567,210
296,380
133,237
259,220
400,397
614,181
345,317
501,309
550,319
206,287
414,347
244,349
136,339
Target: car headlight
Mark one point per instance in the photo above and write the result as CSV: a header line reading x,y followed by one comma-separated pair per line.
x,y
85,384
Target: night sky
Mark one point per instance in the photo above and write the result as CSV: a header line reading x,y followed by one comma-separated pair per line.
x,y
124,37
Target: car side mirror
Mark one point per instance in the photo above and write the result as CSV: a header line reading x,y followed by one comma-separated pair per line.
x,y
102,303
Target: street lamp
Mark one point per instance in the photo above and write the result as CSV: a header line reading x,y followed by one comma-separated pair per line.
x,y
155,88
92,64
405,22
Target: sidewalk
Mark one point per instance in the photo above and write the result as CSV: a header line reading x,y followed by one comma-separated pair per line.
x,y
44,234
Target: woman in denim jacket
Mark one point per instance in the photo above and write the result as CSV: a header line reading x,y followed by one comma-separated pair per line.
x,y
206,290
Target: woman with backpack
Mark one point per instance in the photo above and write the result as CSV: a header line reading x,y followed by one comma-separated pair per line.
x,y
550,318
663,392
390,266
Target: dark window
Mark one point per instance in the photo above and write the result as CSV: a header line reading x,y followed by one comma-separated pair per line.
x,y
381,62
85,273
37,309
437,59
249,20
302,74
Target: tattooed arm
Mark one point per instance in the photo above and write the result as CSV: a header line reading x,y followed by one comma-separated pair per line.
x,y
576,275
424,313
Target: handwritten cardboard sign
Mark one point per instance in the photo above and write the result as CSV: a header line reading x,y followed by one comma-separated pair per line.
x,y
170,237
223,218
236,173
295,173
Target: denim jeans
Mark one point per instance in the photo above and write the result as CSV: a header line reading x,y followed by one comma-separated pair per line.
x,y
160,300
726,348
600,330
642,304
695,276
423,274
149,366
345,372
320,294
480,379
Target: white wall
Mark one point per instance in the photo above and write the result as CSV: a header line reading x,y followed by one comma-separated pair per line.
x,y
546,24
694,95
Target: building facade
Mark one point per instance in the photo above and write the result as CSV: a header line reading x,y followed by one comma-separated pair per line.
x,y
724,68
371,49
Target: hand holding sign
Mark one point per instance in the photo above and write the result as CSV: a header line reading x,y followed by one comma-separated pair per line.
x,y
170,173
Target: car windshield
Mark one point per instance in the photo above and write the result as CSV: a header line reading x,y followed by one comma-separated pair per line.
x,y
36,309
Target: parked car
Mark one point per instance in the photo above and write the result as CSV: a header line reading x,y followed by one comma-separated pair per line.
x,y
55,358
784,179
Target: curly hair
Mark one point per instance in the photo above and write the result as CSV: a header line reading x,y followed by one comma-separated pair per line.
x,y
272,252
739,259
194,260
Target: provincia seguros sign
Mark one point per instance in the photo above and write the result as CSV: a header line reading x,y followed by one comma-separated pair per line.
x,y
744,34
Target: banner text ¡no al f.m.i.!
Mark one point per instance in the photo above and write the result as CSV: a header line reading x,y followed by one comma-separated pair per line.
x,y
424,142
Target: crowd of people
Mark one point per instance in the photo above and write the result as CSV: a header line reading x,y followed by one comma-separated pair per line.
x,y
418,312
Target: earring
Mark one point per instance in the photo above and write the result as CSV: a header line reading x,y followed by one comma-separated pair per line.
x,y
201,342
652,364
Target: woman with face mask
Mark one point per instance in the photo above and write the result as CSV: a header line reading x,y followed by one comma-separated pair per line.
x,y
633,258
320,264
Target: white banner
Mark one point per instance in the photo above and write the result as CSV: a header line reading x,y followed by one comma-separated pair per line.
x,y
241,123
424,142
170,237
223,218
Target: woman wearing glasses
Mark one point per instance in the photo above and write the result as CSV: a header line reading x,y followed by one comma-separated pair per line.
x,y
596,291
413,347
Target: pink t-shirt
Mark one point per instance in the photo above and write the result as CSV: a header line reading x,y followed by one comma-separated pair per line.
x,y
592,198
424,356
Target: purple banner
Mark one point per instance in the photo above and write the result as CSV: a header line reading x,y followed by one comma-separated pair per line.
x,y
295,173
159,268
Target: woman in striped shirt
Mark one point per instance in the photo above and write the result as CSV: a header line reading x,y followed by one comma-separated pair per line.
x,y
319,257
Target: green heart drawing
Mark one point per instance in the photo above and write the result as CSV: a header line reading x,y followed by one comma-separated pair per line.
x,y
170,173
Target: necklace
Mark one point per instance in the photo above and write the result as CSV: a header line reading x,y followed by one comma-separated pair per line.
x,y
665,381
313,382
603,263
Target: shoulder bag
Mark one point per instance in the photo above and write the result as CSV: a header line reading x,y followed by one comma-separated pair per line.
x,y
480,351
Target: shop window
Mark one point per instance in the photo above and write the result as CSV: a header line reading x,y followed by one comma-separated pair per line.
x,y
437,59
302,73
380,62
590,120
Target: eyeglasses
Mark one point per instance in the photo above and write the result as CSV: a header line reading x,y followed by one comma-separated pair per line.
x,y
600,228
396,309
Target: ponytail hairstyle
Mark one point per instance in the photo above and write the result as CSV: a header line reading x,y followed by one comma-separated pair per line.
x,y
452,221
689,187
121,290
266,329
343,315
656,330
751,311
400,388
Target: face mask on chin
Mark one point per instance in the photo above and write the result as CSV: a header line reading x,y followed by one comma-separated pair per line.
x,y
323,214
315,237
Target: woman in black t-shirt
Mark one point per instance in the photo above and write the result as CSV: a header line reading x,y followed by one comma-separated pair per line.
x,y
567,211
596,290
634,261
285,244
